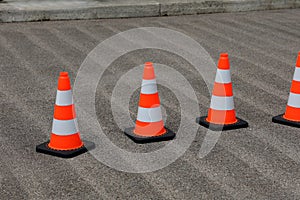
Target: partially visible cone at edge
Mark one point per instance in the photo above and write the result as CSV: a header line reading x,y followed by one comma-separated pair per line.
x,y
291,117
292,111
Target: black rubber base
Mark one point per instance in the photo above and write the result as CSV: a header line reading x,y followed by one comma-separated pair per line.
x,y
169,135
217,127
280,120
43,148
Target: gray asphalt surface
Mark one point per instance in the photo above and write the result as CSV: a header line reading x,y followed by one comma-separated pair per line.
x,y
260,162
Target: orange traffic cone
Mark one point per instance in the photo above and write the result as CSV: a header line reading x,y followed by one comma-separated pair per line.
x,y
65,140
149,124
221,114
291,117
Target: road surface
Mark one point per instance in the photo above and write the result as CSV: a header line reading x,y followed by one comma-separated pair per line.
x,y
260,162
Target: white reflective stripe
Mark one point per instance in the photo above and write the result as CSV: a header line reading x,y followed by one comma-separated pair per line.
x,y
64,98
297,74
223,76
149,87
222,103
149,114
64,127
294,100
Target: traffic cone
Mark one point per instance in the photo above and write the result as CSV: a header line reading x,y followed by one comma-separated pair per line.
x,y
221,114
149,124
65,140
291,117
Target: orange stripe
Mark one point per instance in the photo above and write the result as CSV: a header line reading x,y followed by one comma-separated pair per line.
x,y
222,89
292,113
149,100
149,129
64,112
67,142
295,88
221,116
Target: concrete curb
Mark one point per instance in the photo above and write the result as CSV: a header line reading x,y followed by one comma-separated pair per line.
x,y
21,11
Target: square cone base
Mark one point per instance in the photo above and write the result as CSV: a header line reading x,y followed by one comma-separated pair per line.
x,y
169,135
280,120
43,148
220,127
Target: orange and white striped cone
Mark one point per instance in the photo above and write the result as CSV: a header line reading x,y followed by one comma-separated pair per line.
x,y
149,124
291,117
221,114
65,140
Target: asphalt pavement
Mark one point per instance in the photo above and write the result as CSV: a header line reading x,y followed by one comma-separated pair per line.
x,y
259,162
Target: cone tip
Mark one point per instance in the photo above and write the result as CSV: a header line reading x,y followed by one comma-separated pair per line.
x,y
298,60
149,71
148,64
64,81
224,61
224,55
63,74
